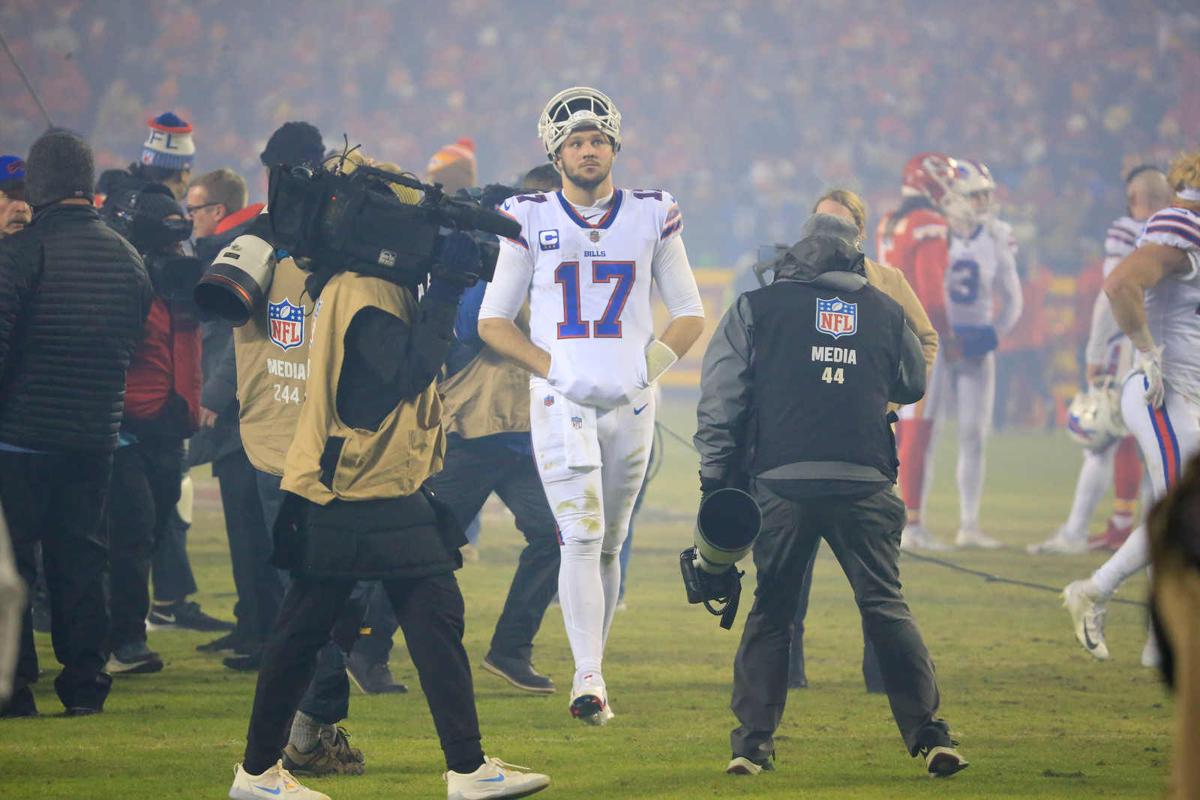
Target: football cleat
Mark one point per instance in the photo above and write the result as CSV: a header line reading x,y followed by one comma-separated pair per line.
x,y
494,778
978,539
740,765
1063,543
589,700
274,784
917,537
1083,602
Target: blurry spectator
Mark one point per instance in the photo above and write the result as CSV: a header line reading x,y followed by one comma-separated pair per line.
x,y
12,600
453,166
73,299
216,202
162,407
15,213
213,198
167,154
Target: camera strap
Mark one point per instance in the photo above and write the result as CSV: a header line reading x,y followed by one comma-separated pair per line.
x,y
728,608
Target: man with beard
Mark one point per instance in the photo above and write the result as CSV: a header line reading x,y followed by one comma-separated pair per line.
x,y
15,213
586,258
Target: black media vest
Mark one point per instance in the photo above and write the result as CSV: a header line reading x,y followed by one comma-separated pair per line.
x,y
824,361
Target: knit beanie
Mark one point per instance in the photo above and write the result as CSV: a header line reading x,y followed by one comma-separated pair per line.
x,y
59,166
170,144
12,177
453,165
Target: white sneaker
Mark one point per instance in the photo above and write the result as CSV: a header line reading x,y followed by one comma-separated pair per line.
x,y
1062,543
916,536
589,700
1083,602
494,779
1151,655
975,538
274,784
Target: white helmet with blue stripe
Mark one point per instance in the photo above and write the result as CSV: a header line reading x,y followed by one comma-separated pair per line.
x,y
575,108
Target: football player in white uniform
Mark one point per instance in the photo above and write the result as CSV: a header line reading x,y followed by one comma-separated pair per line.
x,y
982,266
1155,297
1109,356
586,258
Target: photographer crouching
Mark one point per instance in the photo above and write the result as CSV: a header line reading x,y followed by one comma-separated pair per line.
x,y
369,435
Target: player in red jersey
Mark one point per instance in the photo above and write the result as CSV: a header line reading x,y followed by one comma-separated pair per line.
x,y
914,239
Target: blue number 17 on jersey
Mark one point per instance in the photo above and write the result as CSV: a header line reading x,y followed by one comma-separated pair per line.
x,y
608,326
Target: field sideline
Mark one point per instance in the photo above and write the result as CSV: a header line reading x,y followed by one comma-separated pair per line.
x,y
1036,716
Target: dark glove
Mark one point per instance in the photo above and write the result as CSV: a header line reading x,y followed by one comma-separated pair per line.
x,y
456,266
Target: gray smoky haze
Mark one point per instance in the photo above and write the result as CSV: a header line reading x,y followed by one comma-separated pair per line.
x,y
744,110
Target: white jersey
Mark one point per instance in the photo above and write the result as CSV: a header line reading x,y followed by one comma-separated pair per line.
x,y
981,265
588,284
1106,343
1172,306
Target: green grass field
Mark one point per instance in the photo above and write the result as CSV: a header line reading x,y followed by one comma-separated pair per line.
x,y
1034,713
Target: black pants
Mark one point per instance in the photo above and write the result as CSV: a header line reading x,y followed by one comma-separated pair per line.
x,y
170,567
430,612
327,697
864,535
375,647
473,469
259,585
59,500
142,498
870,662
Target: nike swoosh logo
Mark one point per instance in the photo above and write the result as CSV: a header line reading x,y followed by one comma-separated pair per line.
x,y
268,791
166,617
1087,638
637,411
497,779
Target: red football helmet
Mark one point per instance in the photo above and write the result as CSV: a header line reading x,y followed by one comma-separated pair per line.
x,y
928,175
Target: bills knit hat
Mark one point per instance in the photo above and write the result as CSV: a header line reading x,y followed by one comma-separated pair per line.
x,y
170,144
12,176
59,167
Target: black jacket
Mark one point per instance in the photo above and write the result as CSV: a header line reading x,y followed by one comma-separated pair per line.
x,y
73,302
797,378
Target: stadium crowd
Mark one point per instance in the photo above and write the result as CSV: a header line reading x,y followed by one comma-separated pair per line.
x,y
745,95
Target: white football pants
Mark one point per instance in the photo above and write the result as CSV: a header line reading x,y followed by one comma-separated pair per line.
x,y
967,388
592,464
1167,437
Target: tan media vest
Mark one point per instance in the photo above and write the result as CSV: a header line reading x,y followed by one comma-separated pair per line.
x,y
490,395
272,367
329,460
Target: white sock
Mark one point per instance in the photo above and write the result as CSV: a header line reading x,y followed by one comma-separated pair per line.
x,y
581,593
1095,478
1131,557
970,480
610,576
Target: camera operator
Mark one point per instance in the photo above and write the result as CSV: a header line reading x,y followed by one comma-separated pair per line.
x,y
73,299
810,438
162,408
369,436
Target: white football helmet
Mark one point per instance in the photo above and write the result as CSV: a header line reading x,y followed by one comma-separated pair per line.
x,y
574,108
1094,417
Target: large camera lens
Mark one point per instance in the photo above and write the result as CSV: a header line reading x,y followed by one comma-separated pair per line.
x,y
238,280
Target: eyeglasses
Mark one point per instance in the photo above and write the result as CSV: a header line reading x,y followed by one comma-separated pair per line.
x,y
191,210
